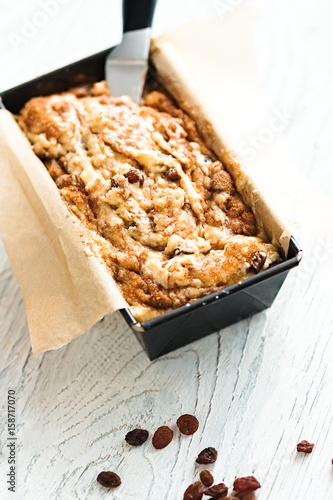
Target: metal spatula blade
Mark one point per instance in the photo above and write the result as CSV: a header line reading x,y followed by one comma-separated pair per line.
x,y
126,65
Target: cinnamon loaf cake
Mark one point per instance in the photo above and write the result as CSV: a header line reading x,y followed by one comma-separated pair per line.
x,y
161,210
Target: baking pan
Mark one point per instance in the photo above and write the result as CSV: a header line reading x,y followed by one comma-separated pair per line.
x,y
203,316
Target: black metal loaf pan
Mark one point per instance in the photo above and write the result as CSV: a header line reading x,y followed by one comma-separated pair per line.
x,y
203,316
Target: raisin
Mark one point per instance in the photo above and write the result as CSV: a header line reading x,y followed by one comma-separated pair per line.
x,y
206,478
114,183
109,479
217,491
187,424
136,437
132,176
248,483
305,447
207,456
258,261
162,437
194,491
172,175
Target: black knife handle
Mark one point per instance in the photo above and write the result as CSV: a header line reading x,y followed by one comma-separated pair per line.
x,y
138,14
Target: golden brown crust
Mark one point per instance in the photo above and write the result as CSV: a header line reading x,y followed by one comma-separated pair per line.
x,y
164,214
239,218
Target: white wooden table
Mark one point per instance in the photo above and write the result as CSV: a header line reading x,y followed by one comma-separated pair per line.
x,y
258,387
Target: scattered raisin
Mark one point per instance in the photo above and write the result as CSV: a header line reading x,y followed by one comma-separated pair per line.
x,y
207,456
206,478
248,483
109,479
194,491
172,175
136,437
246,495
258,261
305,447
217,491
114,183
134,176
162,437
187,424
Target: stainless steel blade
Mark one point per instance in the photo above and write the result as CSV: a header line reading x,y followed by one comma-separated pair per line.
x,y
126,65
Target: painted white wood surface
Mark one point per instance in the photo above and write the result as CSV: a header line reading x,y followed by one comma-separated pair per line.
x,y
257,387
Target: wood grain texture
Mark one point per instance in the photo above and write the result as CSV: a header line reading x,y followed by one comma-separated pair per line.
x,y
257,387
